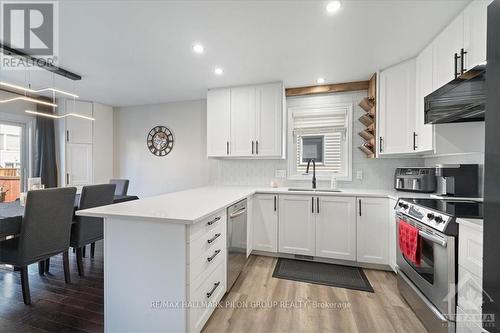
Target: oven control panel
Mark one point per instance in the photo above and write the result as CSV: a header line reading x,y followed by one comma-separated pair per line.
x,y
424,215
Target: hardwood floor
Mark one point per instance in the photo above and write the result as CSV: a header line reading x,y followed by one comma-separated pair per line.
x,y
297,305
78,307
56,306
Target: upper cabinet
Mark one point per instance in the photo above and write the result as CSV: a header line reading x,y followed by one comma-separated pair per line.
x,y
396,109
78,130
424,133
245,122
475,23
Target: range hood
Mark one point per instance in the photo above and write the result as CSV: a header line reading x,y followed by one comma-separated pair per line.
x,y
461,100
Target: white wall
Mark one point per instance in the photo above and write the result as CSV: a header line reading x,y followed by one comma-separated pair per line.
x,y
185,167
103,143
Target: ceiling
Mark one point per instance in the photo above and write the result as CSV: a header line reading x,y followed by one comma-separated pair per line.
x,y
140,52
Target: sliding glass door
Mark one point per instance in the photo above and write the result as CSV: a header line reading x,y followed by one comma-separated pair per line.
x,y
12,160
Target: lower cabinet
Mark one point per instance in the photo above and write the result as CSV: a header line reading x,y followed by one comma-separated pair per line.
x,y
297,229
265,222
322,226
78,164
373,231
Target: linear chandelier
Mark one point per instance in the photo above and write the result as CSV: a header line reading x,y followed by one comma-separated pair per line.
x,y
28,99
34,91
53,116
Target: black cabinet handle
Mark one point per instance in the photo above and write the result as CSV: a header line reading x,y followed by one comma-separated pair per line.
x,y
214,220
275,204
212,257
211,292
257,147
415,141
312,205
380,144
455,70
227,147
317,205
213,238
252,148
67,135
359,203
462,62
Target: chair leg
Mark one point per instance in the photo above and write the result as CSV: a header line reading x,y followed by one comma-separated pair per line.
x,y
92,250
25,285
41,267
79,261
83,251
67,276
47,265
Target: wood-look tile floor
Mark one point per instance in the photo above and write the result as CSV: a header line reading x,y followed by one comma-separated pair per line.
x,y
260,303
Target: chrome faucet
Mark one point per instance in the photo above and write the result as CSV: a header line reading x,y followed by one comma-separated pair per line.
x,y
314,171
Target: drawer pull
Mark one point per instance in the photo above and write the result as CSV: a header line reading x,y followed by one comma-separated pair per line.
x,y
214,220
209,259
211,292
214,238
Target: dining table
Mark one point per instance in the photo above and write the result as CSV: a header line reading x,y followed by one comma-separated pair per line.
x,y
11,215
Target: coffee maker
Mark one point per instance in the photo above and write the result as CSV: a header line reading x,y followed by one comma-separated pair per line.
x,y
459,180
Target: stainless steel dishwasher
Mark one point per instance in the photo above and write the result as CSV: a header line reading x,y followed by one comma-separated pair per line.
x,y
236,241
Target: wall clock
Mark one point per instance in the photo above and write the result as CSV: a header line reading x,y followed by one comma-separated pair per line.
x,y
160,141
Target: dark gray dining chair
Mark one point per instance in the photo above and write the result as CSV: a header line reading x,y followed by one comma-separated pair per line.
x,y
121,186
45,232
88,230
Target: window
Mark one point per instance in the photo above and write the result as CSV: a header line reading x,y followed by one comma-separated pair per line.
x,y
319,129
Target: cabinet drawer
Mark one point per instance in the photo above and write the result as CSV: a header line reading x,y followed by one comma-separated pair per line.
x,y
205,296
206,242
467,323
207,260
469,291
207,225
470,250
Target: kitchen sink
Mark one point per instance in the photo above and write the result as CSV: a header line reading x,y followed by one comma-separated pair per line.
x,y
308,189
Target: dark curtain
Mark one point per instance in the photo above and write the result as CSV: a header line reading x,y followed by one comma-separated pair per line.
x,y
45,148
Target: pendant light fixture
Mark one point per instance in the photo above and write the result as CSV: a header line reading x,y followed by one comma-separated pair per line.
x,y
35,91
28,99
53,116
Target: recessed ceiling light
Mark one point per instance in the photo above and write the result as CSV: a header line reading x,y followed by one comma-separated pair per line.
x,y
333,6
198,48
320,80
218,71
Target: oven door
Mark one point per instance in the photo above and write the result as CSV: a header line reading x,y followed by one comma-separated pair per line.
x,y
435,277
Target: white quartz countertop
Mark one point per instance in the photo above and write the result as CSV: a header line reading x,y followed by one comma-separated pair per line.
x,y
474,223
191,206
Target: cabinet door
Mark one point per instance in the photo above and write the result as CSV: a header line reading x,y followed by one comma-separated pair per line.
x,y
265,222
218,122
297,224
446,44
392,235
78,130
78,164
243,121
424,133
396,110
475,26
373,231
269,119
336,228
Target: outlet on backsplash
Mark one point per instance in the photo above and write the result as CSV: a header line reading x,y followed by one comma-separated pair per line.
x,y
359,175
280,173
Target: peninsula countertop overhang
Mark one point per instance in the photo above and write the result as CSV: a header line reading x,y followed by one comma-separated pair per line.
x,y
191,206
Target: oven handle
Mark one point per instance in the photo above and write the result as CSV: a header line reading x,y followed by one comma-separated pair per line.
x,y
432,238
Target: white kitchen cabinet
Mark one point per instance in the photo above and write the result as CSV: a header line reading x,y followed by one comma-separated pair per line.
x,y
297,227
265,222
269,113
336,227
78,130
448,43
243,102
475,26
396,110
218,122
373,231
79,164
424,133
392,235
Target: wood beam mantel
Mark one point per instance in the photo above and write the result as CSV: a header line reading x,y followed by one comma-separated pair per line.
x,y
327,88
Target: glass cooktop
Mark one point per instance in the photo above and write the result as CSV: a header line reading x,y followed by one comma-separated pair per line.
x,y
459,209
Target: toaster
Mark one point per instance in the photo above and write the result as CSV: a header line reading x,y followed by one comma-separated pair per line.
x,y
419,179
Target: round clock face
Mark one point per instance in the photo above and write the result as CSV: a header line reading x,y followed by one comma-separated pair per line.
x,y
160,141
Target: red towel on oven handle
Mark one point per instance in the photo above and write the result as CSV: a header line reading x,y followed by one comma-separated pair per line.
x,y
409,242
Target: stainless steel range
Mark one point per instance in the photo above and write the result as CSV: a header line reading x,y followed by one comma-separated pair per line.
x,y
429,287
